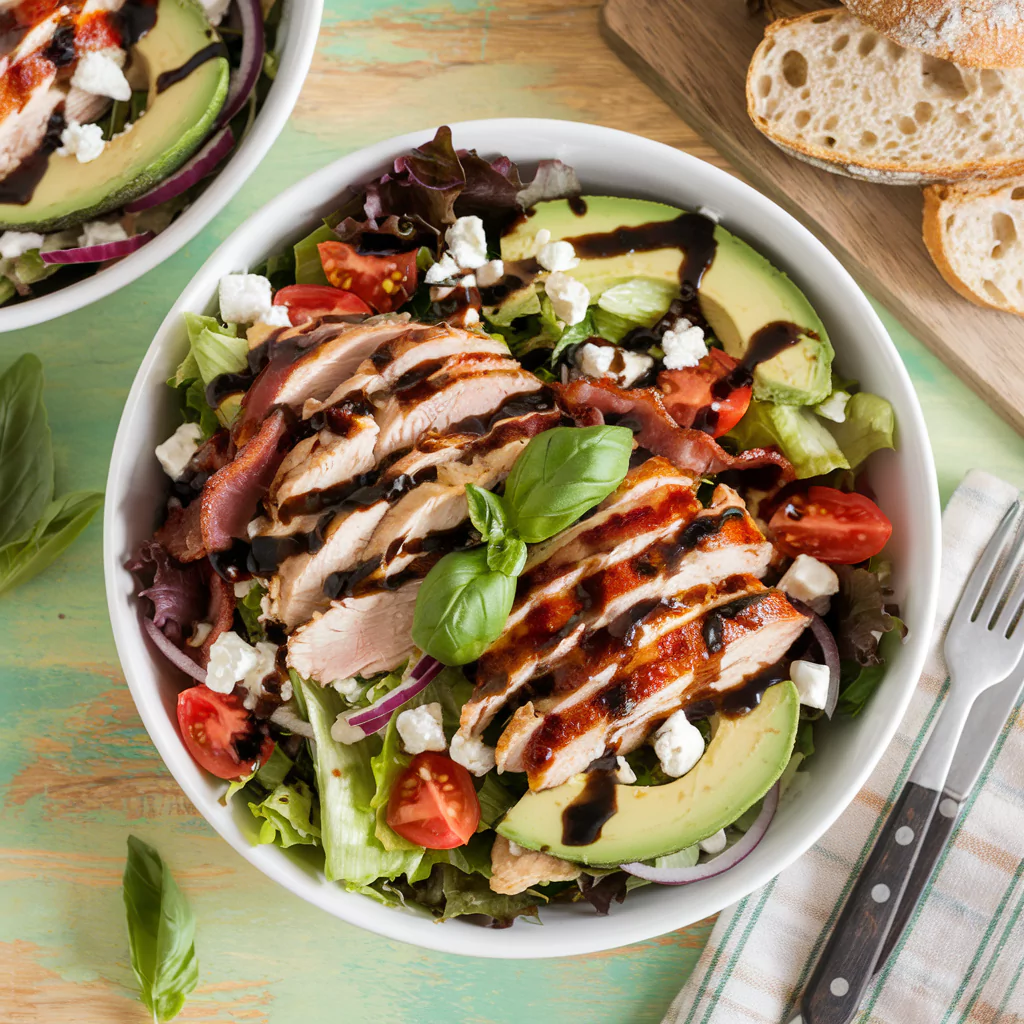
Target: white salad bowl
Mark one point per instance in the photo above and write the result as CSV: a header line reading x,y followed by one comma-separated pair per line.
x,y
610,162
296,41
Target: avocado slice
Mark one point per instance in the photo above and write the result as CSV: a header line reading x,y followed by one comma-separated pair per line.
x,y
742,762
740,292
175,123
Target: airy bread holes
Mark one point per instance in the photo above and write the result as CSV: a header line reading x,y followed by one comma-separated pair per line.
x,y
1005,232
994,292
830,142
923,112
802,118
821,19
1017,193
943,77
794,68
868,139
840,44
833,120
894,50
991,82
867,43
907,125
764,85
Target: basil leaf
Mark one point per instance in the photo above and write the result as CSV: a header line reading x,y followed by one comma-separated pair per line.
x,y
26,451
461,608
562,474
60,525
486,513
161,932
507,555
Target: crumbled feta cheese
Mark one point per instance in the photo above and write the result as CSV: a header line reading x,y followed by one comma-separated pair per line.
x,y
242,588
266,660
468,281
569,297
276,316
834,407
83,141
16,243
678,744
199,634
624,774
811,681
420,729
287,690
540,240
490,273
101,232
244,298
215,10
467,242
557,256
174,454
715,843
634,366
594,360
99,72
810,581
443,270
470,316
231,660
342,732
683,344
350,688
473,754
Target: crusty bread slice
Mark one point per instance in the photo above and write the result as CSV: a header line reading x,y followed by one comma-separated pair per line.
x,y
972,33
975,234
832,91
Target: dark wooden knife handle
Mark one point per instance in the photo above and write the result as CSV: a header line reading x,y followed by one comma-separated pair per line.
x,y
846,967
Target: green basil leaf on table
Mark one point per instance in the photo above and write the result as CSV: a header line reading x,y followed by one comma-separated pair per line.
x,y
462,607
26,451
562,474
61,523
161,932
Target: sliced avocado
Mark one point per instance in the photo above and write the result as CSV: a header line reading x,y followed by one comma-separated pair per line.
x,y
745,757
740,292
174,124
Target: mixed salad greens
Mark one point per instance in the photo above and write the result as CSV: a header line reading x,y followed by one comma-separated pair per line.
x,y
673,575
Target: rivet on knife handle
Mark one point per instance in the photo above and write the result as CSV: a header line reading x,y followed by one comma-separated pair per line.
x,y
848,963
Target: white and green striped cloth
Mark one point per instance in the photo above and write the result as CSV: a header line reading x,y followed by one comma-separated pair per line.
x,y
962,956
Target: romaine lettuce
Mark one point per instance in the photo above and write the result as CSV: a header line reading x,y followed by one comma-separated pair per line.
x,y
288,816
868,427
642,300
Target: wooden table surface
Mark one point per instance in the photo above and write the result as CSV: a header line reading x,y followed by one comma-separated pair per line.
x,y
77,771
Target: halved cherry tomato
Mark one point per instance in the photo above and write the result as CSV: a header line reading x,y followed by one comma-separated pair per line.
x,y
308,301
831,525
434,803
383,282
692,402
220,733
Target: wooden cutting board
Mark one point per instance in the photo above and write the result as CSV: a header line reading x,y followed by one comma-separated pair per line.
x,y
695,54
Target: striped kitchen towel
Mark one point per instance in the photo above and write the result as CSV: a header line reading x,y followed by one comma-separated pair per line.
x,y
962,955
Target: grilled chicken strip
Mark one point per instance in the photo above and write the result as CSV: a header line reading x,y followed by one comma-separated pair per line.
x,y
614,690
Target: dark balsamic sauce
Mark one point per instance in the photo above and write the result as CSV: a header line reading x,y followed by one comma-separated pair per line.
x,y
61,48
578,205
518,275
584,818
135,20
713,630
739,700
20,185
168,78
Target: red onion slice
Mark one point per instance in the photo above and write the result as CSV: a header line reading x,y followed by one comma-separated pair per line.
x,y
98,253
829,652
201,164
717,865
254,46
372,719
172,652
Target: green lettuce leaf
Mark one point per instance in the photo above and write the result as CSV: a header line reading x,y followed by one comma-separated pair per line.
x,y
796,431
250,609
610,326
868,427
471,894
524,302
288,815
495,801
573,336
308,268
642,300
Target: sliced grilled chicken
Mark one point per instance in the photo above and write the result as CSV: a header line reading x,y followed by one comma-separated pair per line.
x,y
705,643
25,108
356,636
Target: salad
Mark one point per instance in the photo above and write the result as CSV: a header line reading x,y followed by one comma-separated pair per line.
x,y
518,541
112,115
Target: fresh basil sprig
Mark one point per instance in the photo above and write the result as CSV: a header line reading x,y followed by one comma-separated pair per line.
x,y
464,602
161,932
34,528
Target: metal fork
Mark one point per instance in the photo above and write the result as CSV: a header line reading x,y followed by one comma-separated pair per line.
x,y
983,646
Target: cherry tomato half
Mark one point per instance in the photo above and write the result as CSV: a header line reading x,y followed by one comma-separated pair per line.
x,y
831,525
691,402
383,282
434,803
220,733
309,301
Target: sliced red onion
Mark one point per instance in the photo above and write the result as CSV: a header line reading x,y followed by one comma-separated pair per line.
x,y
254,46
724,861
372,719
829,652
98,253
172,652
201,164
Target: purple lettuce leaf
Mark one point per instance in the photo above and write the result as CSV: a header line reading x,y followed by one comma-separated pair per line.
x,y
177,592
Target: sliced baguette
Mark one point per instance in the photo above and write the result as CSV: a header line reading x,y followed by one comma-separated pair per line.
x,y
972,33
975,234
828,89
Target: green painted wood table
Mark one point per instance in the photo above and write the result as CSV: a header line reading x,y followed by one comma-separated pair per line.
x,y
77,771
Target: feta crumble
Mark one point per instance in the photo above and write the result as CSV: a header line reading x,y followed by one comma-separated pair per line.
x,y
176,452
420,729
242,588
99,72
810,581
102,232
199,634
443,270
215,10
596,361
569,297
16,243
715,843
276,316
834,407
490,273
540,240
624,774
231,660
683,344
678,744
266,660
350,688
557,256
467,242
244,298
82,141
473,754
811,681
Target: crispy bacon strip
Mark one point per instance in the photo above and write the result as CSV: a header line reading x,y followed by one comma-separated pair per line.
x,y
182,534
642,409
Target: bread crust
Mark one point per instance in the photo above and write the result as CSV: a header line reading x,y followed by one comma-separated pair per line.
x,y
879,171
973,33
